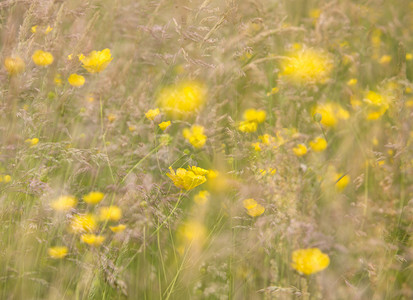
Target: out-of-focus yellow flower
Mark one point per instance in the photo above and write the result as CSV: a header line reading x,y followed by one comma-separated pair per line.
x,y
93,197
253,208
270,171
254,115
57,252
187,179
33,29
309,261
110,213
300,150
32,142
48,29
192,232
385,59
76,80
267,139
64,203
118,228
247,126
42,58
164,125
307,65
352,81
183,99
14,65
202,197
330,113
409,56
152,113
111,117
80,56
83,223
5,178
273,91
256,146
342,182
92,239
377,105
58,80
318,144
195,135
97,61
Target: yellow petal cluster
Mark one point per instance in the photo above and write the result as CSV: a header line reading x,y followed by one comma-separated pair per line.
x,y
76,80
57,252
93,197
118,228
377,105
251,119
195,135
64,203
92,239
319,144
300,150
187,179
42,58
83,223
14,65
152,113
309,261
97,61
202,197
254,209
164,125
330,113
110,213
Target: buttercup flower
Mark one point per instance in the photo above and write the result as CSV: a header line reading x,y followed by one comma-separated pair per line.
x,y
318,144
183,99
341,181
202,197
118,228
32,142
253,115
377,105
83,223
253,208
97,61
92,239
152,113
309,261
164,125
247,126
14,65
195,135
64,203
192,232
42,58
93,197
187,179
110,213
76,80
330,113
57,252
300,150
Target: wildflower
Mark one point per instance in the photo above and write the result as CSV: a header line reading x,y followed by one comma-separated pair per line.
x,y
70,56
92,239
300,150
152,113
256,146
96,61
14,65
118,228
64,203
80,56
330,113
352,81
57,252
76,80
111,117
93,197
202,197
341,181
253,208
195,135
33,29
273,91
308,65
309,261
409,56
385,59
83,223
246,126
183,99
187,179
318,144
110,213
32,142
377,105
192,232
42,58
164,125
267,139
48,29
253,115
5,178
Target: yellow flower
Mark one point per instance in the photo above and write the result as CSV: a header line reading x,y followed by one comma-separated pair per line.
x,y
330,113
110,213
385,59
352,82
308,65
48,29
195,135
64,203
32,142
377,105
183,99
57,252
152,113
164,125
57,80
34,29
118,228
202,197
253,208
273,91
83,223
42,58
92,239
76,80
93,197
318,144
300,150
14,65
342,182
309,261
80,56
111,117
96,61
187,179
192,232
5,178
267,139
247,126
253,115
256,146
409,56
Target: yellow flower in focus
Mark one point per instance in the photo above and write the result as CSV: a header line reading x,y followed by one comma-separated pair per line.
x,y
309,261
42,58
187,179
118,228
152,113
96,61
76,80
300,150
318,144
253,208
341,181
14,65
247,126
92,239
83,223
202,197
32,142
308,65
93,197
57,252
110,213
253,115
182,99
64,203
164,125
195,135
